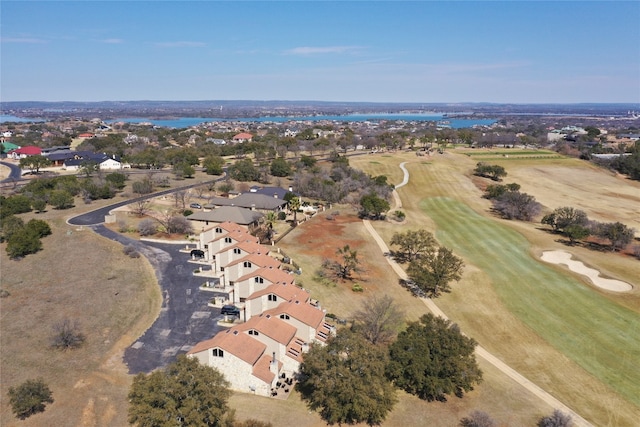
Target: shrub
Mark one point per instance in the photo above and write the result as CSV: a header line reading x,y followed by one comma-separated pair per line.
x,y
23,242
39,227
29,398
557,419
39,205
477,419
147,227
67,335
282,216
357,288
131,251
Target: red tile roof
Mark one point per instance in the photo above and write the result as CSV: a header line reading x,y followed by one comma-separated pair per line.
x,y
29,150
273,275
236,343
243,135
305,313
258,259
271,326
262,369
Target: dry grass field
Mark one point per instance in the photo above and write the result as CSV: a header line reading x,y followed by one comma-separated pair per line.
x,y
84,277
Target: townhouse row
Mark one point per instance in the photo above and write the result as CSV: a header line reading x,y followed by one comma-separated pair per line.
x,y
279,319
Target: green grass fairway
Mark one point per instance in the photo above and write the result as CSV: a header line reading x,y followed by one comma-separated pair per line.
x,y
599,335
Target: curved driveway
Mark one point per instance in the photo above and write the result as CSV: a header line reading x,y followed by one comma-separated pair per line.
x,y
15,173
480,351
97,216
185,318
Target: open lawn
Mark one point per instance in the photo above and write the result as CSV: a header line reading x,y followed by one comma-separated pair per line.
x,y
576,341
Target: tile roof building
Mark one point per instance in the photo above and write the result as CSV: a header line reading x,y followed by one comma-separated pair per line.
x,y
280,319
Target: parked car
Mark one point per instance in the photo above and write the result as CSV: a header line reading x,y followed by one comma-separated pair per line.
x,y
197,253
230,310
195,206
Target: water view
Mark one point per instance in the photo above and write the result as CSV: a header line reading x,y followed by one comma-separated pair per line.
x,y
184,122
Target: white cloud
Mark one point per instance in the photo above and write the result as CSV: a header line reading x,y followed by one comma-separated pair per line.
x,y
308,50
29,40
181,44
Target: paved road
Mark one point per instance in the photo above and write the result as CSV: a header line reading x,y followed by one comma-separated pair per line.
x,y
97,216
15,174
184,319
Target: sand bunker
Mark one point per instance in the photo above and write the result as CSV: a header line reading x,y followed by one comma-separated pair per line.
x,y
562,257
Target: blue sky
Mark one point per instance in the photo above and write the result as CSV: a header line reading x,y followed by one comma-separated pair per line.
x,y
374,51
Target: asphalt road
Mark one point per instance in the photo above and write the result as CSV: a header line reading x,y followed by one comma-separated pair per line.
x,y
184,319
97,216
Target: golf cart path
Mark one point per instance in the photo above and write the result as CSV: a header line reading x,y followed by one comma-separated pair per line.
x,y
480,351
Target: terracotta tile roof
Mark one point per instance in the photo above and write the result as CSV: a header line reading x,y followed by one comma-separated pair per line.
x,y
249,247
243,135
234,342
305,313
236,236
262,369
232,226
258,259
271,326
273,275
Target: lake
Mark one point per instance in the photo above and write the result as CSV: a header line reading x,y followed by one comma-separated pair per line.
x,y
185,122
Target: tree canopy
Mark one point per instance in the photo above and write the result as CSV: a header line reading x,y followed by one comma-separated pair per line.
x,y
412,244
435,269
34,163
29,398
345,380
186,393
495,172
373,206
432,359
562,218
379,319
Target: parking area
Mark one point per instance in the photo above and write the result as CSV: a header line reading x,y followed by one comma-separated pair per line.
x,y
184,319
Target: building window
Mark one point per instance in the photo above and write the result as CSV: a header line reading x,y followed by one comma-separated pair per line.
x,y
272,297
284,316
237,251
218,230
227,239
246,264
258,279
253,332
218,352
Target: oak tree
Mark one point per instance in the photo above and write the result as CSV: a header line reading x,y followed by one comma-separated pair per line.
x,y
432,359
345,380
434,271
379,319
185,393
412,244
29,398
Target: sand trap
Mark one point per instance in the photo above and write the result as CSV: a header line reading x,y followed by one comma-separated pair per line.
x,y
562,257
